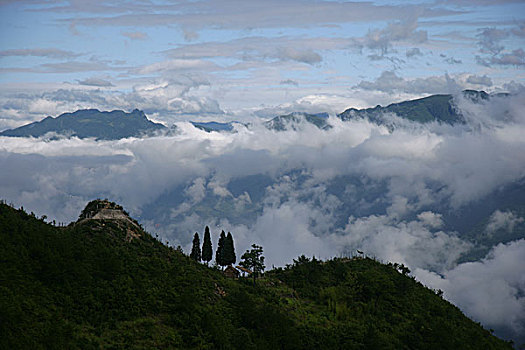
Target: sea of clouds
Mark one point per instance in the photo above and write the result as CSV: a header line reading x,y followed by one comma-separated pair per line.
x,y
385,190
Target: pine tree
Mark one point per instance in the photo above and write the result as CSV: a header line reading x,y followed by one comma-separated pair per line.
x,y
229,250
207,251
219,254
196,248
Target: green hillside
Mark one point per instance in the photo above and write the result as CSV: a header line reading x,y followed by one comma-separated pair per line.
x,y
105,283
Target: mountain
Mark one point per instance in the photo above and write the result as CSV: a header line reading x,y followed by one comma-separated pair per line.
x,y
87,123
279,123
213,126
438,108
93,285
119,124
283,122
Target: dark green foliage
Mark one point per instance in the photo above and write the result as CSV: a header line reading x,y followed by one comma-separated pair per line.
x,y
207,250
90,123
229,250
219,254
86,286
196,248
382,307
252,259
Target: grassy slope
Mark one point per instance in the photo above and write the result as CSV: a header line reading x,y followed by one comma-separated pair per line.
x,y
86,287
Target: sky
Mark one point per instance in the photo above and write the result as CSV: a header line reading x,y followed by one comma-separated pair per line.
x,y
240,60
253,60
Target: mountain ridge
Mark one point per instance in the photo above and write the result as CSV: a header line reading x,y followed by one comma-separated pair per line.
x,y
118,124
90,123
438,108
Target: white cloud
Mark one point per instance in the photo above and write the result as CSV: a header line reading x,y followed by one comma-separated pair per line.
x,y
272,14
505,220
390,82
382,39
413,243
176,65
355,186
479,80
96,82
431,219
197,191
490,291
305,56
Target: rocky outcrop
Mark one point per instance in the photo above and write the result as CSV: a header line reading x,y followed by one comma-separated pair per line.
x,y
104,210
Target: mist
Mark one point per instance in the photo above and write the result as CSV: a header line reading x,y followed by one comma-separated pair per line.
x,y
386,190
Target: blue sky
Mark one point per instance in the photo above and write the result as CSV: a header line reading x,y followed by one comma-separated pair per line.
x,y
221,60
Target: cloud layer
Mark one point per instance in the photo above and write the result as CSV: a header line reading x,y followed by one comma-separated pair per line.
x,y
304,190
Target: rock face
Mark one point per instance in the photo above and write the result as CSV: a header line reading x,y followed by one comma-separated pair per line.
x,y
103,209
99,211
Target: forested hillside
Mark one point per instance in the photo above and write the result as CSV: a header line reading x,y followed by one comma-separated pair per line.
x,y
103,283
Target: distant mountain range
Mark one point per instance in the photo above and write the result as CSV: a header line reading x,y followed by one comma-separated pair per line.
x,y
282,122
119,124
88,123
213,126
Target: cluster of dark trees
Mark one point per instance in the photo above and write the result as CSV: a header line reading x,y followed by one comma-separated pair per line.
x,y
224,255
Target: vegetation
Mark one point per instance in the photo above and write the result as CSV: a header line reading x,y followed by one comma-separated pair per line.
x,y
219,254
88,286
229,257
207,250
253,260
196,248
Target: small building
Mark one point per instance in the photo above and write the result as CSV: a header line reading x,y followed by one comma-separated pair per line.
x,y
231,272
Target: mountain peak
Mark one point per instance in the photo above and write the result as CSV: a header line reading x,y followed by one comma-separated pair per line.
x,y
100,210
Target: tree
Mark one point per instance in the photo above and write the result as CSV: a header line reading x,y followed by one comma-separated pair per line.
x,y
207,251
253,259
219,254
196,248
229,250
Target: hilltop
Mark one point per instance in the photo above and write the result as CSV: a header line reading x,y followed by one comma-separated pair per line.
x,y
99,212
88,286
